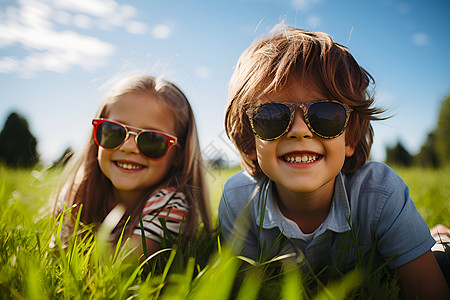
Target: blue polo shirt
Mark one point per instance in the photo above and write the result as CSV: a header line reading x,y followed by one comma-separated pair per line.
x,y
370,209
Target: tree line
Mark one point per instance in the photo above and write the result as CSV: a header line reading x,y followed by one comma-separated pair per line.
x,y
18,146
435,152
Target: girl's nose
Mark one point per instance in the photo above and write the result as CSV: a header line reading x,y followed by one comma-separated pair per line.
x,y
299,129
130,146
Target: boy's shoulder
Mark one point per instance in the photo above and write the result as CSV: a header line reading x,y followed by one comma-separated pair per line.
x,y
375,175
241,179
243,187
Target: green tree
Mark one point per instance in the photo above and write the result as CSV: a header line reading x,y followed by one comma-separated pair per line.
x,y
398,156
428,156
17,144
443,131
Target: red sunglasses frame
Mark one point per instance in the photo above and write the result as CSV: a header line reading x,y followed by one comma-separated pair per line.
x,y
172,140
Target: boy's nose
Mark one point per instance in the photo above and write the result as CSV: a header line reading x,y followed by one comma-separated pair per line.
x,y
299,129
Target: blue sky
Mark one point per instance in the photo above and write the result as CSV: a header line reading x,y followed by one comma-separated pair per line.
x,y
57,57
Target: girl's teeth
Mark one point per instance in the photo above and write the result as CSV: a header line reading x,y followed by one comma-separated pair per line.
x,y
301,158
129,166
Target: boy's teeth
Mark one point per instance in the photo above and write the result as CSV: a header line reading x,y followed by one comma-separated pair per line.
x,y
129,166
301,158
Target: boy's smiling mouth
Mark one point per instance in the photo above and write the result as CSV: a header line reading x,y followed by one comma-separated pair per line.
x,y
301,158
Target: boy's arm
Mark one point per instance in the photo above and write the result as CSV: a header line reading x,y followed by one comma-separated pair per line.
x,y
404,235
422,278
226,218
231,229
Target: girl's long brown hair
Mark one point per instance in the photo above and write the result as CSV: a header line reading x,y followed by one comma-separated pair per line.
x,y
84,184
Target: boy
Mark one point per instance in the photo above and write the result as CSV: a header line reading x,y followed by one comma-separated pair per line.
x,y
299,112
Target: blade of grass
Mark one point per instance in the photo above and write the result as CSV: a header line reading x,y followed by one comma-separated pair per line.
x,y
340,290
292,286
250,287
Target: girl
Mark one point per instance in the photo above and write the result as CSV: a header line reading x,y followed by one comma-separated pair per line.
x,y
143,155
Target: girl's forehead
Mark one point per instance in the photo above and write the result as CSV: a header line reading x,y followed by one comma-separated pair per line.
x,y
143,111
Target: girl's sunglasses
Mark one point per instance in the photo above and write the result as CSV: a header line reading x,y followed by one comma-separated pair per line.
x,y
325,118
111,135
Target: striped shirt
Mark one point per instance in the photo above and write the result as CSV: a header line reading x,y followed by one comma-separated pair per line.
x,y
166,204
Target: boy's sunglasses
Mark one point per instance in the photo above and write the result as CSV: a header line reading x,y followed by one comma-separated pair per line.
x,y
325,118
111,135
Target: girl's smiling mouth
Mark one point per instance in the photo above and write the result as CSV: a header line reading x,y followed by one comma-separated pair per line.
x,y
129,166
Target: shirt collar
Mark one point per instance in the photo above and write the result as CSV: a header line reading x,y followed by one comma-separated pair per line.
x,y
337,220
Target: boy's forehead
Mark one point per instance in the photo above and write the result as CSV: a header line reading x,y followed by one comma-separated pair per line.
x,y
294,91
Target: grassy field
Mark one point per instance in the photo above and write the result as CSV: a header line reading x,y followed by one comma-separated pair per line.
x,y
29,269
216,179
430,191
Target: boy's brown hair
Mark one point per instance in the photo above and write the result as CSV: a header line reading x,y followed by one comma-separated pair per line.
x,y
289,52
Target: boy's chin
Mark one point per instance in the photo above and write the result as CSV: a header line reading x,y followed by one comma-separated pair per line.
x,y
305,186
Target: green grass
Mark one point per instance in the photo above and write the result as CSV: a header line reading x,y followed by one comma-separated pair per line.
x,y
430,191
216,179
88,269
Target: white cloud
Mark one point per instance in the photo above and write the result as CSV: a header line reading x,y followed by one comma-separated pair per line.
x,y
32,25
82,21
97,8
420,39
136,27
34,14
53,51
8,64
161,32
128,11
62,17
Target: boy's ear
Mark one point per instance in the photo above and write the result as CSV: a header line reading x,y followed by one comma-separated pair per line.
x,y
252,154
349,150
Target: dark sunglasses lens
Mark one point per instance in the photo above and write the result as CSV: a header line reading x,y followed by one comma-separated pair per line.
x,y
327,118
110,135
152,144
271,120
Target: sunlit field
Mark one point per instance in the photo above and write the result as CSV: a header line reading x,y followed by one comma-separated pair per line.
x,y
430,191
88,269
